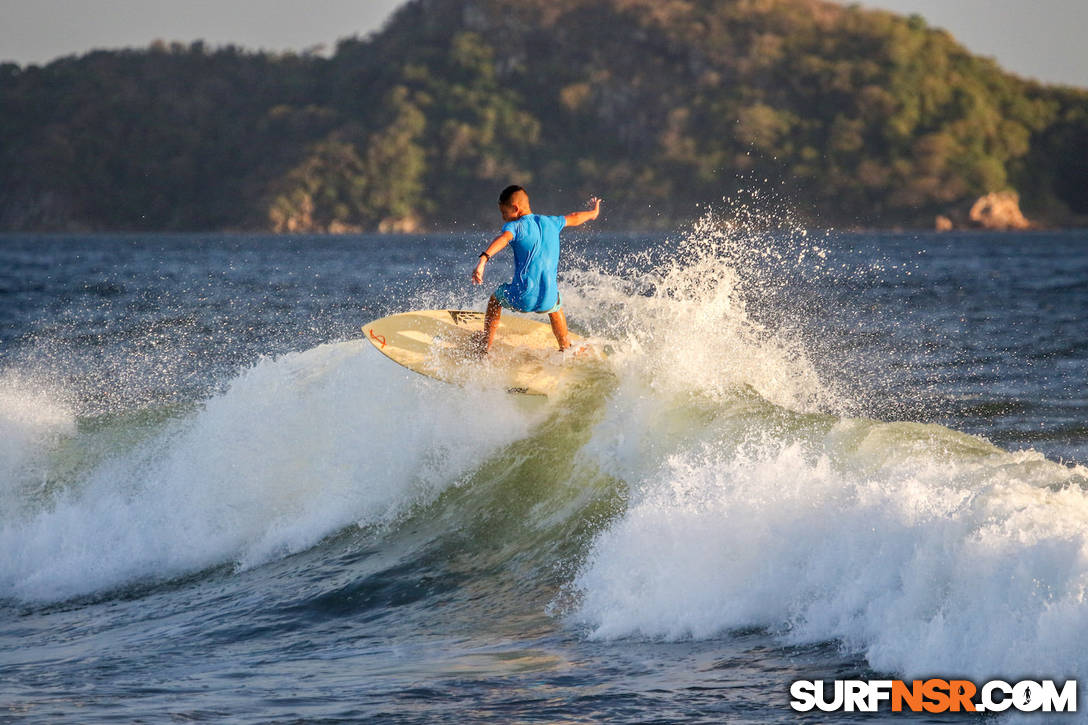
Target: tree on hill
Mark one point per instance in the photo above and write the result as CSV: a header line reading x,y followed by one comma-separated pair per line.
x,y
858,117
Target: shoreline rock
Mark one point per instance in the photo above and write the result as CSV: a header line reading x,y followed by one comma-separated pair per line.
x,y
999,210
996,211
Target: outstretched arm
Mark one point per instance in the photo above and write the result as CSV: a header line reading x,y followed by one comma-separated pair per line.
x,y
581,217
492,249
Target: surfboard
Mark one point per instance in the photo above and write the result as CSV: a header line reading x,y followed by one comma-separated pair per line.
x,y
524,357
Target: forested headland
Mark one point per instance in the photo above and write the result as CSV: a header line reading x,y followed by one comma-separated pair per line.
x,y
854,117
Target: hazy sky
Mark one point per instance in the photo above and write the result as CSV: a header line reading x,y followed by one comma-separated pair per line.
x,y
36,31
1041,39
1037,38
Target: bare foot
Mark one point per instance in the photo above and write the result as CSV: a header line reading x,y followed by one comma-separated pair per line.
x,y
568,353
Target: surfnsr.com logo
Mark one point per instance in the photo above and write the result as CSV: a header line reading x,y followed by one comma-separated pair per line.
x,y
933,695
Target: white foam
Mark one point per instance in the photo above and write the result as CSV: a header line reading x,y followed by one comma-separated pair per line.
x,y
924,549
753,502
297,448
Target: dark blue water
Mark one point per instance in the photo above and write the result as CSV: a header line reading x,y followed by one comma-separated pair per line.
x,y
217,503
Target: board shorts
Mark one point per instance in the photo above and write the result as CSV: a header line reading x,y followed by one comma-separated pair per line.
x,y
500,296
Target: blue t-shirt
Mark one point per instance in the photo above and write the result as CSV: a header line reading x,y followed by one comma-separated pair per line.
x,y
536,262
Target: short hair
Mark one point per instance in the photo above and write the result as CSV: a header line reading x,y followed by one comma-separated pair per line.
x,y
508,193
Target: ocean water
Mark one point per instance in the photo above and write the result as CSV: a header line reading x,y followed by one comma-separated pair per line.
x,y
814,456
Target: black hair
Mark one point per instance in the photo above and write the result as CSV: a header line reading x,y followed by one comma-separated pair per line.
x,y
508,193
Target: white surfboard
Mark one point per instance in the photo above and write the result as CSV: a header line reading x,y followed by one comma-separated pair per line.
x,y
524,356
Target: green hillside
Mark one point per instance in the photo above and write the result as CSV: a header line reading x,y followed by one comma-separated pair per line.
x,y
855,117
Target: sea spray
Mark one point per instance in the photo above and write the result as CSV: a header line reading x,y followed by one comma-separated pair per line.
x,y
33,418
700,312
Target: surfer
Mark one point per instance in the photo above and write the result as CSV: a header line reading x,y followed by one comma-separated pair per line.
x,y
535,239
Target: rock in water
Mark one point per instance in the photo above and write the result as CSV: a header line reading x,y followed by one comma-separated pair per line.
x,y
999,210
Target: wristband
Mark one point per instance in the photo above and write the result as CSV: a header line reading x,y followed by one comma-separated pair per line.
x,y
486,256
